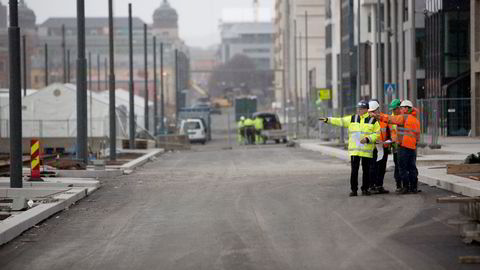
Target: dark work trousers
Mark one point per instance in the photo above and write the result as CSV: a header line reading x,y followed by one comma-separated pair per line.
x,y
408,168
381,169
355,163
396,174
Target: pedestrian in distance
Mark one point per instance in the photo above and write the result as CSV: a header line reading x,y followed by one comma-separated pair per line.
x,y
408,135
241,130
259,125
379,165
362,130
249,131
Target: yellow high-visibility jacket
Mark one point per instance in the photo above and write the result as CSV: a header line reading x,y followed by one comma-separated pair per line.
x,y
240,125
249,122
258,123
359,127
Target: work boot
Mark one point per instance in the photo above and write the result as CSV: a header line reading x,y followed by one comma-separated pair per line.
x,y
381,190
398,190
353,194
366,193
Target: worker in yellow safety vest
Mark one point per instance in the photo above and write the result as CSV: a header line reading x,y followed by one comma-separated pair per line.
x,y
258,130
249,131
363,132
241,130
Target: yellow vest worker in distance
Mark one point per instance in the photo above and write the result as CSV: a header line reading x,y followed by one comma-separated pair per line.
x,y
249,130
363,131
241,130
258,130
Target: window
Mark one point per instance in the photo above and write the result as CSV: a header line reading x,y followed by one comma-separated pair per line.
x,y
420,48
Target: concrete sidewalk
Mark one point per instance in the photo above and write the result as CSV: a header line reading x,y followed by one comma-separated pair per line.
x,y
48,197
433,174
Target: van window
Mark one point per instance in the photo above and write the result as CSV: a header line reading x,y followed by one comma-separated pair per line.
x,y
192,125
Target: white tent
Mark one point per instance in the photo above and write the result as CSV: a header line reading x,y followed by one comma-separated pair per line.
x,y
51,112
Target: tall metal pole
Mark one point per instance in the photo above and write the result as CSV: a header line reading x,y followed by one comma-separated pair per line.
x,y
284,79
105,71
82,122
68,66
295,64
380,92
307,85
46,64
131,85
340,79
24,38
413,48
162,92
176,85
358,94
64,57
98,73
155,94
91,93
111,84
15,98
300,72
145,53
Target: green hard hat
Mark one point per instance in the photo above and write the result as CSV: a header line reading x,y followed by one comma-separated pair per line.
x,y
395,104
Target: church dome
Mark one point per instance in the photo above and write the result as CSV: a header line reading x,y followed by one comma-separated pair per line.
x,y
165,16
26,16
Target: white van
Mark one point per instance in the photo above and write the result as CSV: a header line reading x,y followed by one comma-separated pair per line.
x,y
195,130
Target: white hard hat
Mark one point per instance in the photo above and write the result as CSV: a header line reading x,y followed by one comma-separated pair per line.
x,y
242,118
406,103
373,106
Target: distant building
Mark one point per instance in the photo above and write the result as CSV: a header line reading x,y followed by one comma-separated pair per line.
x,y
252,39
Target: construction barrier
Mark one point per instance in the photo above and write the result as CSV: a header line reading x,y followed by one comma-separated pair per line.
x,y
35,161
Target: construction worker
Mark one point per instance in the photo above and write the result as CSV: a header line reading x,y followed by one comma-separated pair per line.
x,y
241,130
378,167
258,130
408,135
395,108
362,131
249,131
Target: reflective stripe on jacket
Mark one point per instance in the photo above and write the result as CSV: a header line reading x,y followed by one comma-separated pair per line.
x,y
408,129
384,133
359,127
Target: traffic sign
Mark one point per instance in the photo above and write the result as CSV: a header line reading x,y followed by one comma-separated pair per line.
x,y
324,94
390,88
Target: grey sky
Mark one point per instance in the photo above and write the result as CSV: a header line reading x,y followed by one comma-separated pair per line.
x,y
198,18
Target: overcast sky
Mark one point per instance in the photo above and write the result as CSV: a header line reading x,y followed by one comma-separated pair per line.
x,y
198,19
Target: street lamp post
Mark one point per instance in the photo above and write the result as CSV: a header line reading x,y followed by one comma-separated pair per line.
x,y
15,98
307,82
131,85
111,85
145,47
162,92
155,94
64,60
82,122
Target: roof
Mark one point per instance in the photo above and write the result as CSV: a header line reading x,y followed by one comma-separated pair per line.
x,y
92,22
234,29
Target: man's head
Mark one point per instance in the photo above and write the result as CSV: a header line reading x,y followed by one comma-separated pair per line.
x,y
395,106
373,107
406,107
362,107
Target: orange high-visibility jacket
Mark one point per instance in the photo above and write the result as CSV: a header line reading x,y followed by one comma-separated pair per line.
x,y
384,133
408,129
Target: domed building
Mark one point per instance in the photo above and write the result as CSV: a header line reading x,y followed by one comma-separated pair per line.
x,y
165,21
26,16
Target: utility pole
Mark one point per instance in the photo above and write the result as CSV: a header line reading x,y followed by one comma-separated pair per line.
x,y
68,66
297,127
98,73
131,85
64,57
307,84
46,64
82,122
24,38
177,86
91,92
162,92
15,98
155,94
145,48
358,94
111,85
380,92
413,47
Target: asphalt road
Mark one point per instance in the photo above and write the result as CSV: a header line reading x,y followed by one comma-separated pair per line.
x,y
267,207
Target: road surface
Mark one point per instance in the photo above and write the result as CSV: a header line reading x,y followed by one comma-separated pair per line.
x,y
267,207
